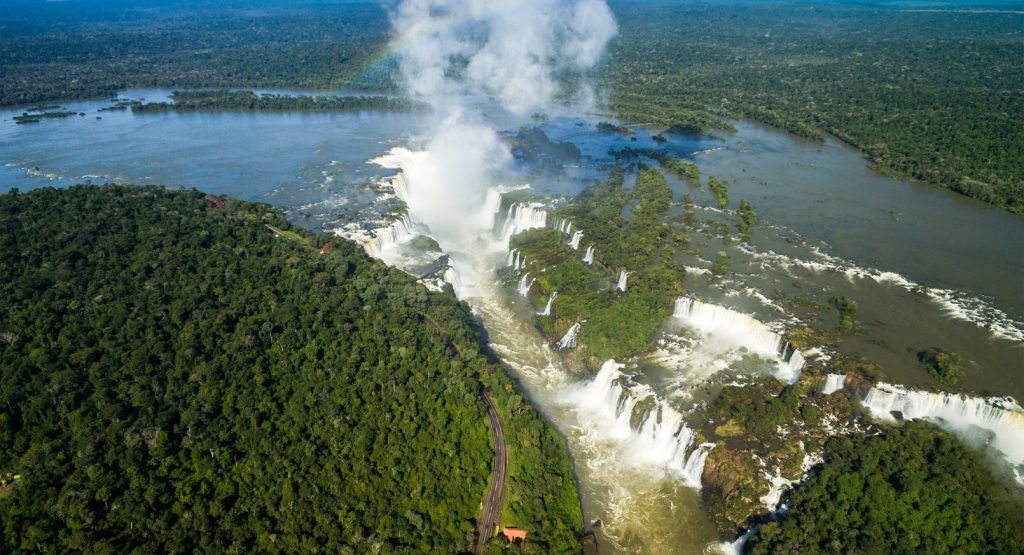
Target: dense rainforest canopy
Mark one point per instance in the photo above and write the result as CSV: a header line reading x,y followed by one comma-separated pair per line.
x,y
911,490
626,227
927,94
178,377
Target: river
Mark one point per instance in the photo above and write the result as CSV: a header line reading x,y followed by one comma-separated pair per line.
x,y
927,268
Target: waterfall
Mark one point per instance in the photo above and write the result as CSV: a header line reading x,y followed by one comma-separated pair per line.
x,y
568,341
693,469
515,260
388,236
521,217
564,226
524,285
650,432
401,187
575,241
588,258
621,285
547,308
997,421
734,547
741,330
833,383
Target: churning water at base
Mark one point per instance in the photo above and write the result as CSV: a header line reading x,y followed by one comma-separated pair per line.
x,y
649,432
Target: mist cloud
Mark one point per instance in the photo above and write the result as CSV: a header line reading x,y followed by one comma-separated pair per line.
x,y
511,49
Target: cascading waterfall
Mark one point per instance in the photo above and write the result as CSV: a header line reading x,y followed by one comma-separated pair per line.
x,y
833,383
515,260
621,285
568,341
741,330
575,241
525,283
657,437
547,308
997,421
588,258
388,236
401,187
564,226
521,217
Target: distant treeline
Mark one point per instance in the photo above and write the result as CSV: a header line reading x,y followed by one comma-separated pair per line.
x,y
933,96
67,51
196,101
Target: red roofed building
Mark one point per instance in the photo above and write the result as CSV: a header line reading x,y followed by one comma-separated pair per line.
x,y
215,200
513,534
326,249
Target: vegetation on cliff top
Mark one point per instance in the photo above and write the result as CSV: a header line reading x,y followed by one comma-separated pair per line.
x,y
180,377
628,231
914,489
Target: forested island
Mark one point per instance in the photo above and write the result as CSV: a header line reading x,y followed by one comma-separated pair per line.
x,y
639,243
181,373
219,100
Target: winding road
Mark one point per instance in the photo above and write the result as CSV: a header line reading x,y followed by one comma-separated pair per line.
x,y
490,512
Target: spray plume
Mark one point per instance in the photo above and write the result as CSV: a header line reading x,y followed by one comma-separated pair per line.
x,y
510,49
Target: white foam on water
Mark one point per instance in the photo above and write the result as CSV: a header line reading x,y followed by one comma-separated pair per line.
x,y
954,304
731,329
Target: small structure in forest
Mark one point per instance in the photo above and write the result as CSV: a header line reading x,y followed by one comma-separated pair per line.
x,y
513,534
218,202
326,249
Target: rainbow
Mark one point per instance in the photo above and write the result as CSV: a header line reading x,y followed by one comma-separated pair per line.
x,y
406,42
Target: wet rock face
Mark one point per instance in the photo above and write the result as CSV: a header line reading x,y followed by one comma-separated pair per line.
x,y
767,436
730,491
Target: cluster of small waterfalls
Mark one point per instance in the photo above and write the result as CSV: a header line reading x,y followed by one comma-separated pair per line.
x,y
651,432
647,432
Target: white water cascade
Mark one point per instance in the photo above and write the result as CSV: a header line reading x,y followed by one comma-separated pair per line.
x,y
564,226
741,330
568,341
515,260
525,283
648,431
621,285
588,258
996,421
833,383
575,241
521,217
389,236
547,308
